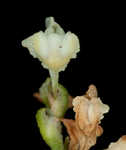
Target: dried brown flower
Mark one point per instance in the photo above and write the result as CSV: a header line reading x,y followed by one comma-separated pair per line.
x,y
85,129
119,145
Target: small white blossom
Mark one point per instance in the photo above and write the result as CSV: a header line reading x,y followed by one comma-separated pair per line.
x,y
53,47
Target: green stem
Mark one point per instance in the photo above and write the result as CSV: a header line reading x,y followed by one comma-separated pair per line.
x,y
54,79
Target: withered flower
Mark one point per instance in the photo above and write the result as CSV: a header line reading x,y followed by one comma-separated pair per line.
x,y
119,145
84,130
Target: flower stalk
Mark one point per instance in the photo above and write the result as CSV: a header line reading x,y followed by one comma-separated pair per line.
x,y
54,80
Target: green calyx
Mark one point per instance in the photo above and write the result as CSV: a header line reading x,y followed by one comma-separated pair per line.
x,y
50,129
44,91
58,104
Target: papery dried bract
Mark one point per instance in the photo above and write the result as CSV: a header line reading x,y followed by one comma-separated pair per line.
x,y
78,140
76,136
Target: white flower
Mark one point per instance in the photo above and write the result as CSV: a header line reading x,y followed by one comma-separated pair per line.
x,y
53,47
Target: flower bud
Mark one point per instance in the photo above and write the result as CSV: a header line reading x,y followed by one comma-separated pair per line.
x,y
58,105
50,129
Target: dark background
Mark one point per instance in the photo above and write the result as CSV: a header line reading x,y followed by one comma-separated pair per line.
x,y
101,61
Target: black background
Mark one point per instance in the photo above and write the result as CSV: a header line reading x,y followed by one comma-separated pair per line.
x,y
101,61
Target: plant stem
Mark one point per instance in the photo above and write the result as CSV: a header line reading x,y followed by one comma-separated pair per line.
x,y
54,78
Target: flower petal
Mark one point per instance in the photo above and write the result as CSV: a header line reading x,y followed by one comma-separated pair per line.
x,y
70,46
37,45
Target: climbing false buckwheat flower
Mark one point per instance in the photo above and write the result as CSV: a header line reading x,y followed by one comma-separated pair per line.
x,y
89,111
85,129
119,145
54,48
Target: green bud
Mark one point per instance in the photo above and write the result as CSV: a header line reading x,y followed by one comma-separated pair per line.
x,y
44,91
58,104
50,129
